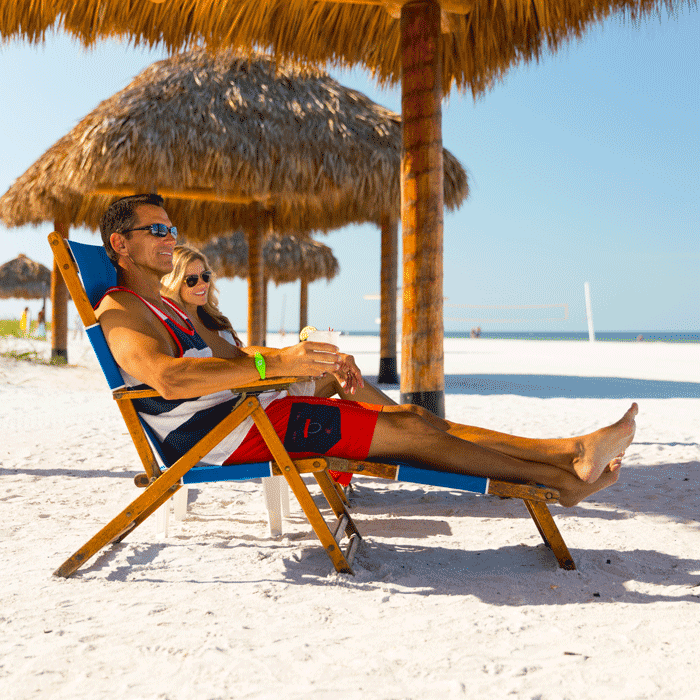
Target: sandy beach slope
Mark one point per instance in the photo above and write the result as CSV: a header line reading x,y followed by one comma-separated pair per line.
x,y
455,596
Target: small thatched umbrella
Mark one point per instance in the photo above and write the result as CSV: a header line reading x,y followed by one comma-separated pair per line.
x,y
23,278
285,259
231,143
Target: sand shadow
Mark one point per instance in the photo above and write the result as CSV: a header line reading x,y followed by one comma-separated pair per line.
x,y
546,386
559,386
71,472
668,490
512,575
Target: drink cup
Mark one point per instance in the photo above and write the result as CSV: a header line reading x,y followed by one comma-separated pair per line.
x,y
331,337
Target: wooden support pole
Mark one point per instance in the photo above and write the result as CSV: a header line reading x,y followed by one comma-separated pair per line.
x,y
59,306
422,360
263,328
256,239
389,279
303,304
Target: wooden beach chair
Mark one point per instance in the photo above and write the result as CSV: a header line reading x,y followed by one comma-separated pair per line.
x,y
88,272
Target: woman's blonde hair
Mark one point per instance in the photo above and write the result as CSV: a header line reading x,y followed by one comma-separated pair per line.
x,y
171,284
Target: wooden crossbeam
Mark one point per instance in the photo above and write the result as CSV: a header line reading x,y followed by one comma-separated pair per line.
x,y
195,194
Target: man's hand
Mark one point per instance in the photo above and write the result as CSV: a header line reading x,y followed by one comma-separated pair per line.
x,y
308,359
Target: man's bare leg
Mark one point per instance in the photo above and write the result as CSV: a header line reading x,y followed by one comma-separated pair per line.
x,y
408,435
579,454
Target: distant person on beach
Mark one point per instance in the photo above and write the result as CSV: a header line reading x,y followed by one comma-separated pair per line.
x,y
41,324
24,322
155,344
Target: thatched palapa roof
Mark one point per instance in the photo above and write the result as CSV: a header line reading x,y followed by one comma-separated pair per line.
x,y
285,258
481,39
249,132
23,278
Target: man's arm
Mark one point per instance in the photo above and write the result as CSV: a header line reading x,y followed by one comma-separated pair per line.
x,y
144,349
346,379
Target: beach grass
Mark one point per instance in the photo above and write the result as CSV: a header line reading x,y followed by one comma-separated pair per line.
x,y
10,326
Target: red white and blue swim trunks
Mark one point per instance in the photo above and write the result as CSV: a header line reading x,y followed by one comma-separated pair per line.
x,y
310,426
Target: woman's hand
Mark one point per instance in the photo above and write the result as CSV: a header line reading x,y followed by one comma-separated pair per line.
x,y
348,374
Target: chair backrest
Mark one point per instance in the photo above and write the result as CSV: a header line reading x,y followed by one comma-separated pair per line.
x,y
97,274
96,270
88,273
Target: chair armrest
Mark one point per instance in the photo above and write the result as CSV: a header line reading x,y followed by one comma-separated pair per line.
x,y
253,387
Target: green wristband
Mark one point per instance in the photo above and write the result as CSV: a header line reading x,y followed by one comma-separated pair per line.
x,y
260,365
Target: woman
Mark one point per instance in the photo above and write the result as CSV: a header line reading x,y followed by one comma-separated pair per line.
x,y
191,285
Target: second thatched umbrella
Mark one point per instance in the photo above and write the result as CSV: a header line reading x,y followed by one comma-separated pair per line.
x,y
285,259
222,137
231,143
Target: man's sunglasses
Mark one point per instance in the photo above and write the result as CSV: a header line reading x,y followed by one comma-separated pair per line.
x,y
191,280
158,230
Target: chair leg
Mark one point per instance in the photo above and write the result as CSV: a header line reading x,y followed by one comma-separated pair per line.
x,y
328,486
162,519
120,526
328,539
284,497
272,493
341,493
341,561
180,503
550,533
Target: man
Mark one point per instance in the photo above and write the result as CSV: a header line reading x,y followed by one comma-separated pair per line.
x,y
193,381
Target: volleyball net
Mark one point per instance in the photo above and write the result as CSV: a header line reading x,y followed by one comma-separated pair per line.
x,y
508,313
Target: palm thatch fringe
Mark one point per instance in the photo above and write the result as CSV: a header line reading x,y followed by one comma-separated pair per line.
x,y
481,39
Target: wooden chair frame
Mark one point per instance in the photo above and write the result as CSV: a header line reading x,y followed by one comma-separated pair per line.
x,y
160,484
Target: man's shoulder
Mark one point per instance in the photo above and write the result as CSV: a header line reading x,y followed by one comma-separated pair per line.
x,y
121,304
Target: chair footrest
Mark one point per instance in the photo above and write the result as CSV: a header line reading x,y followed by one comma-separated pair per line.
x,y
352,547
340,528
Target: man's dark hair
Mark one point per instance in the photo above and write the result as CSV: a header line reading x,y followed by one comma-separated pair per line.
x,y
121,216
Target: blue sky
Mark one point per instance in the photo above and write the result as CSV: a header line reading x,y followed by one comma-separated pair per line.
x,y
583,167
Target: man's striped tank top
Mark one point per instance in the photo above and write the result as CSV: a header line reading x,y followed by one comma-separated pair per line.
x,y
179,423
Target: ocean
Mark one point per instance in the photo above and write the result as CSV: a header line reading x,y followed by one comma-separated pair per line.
x,y
603,336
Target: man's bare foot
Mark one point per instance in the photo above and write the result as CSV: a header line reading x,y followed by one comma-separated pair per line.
x,y
599,451
573,490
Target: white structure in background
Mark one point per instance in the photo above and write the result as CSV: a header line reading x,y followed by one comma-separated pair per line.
x,y
589,311
479,313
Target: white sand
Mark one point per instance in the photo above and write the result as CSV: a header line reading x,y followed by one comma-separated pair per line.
x,y
455,596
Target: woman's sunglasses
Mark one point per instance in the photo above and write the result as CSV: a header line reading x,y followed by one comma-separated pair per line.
x,y
158,230
191,280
